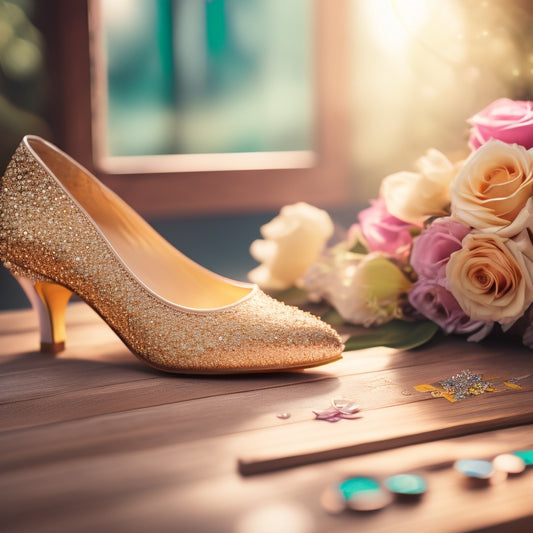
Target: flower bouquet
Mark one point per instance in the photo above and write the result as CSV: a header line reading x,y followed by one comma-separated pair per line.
x,y
448,247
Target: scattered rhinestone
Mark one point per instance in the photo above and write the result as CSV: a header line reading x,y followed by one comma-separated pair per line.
x,y
465,384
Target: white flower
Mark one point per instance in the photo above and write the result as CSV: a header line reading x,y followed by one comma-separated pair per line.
x,y
415,196
365,289
292,242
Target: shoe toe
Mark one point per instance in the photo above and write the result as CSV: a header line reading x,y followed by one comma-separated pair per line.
x,y
286,337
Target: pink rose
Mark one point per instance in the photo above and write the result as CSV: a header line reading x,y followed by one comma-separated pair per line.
x,y
510,121
439,305
384,232
432,249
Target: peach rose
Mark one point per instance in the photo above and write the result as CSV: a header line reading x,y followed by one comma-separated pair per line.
x,y
415,196
493,187
491,278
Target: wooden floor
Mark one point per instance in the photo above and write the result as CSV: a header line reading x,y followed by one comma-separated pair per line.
x,y
94,441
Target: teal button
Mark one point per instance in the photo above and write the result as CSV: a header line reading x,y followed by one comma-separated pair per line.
x,y
406,484
525,455
364,494
356,485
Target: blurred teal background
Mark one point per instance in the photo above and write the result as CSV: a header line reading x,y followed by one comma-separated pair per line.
x,y
188,62
192,77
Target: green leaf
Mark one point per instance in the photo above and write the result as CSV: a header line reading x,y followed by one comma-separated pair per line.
x,y
359,248
333,318
292,296
394,334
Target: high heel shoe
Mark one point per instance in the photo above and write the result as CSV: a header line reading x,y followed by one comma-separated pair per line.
x,y
64,232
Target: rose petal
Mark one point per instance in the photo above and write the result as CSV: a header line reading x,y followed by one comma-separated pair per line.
x,y
332,419
323,414
493,188
491,278
345,405
510,121
350,416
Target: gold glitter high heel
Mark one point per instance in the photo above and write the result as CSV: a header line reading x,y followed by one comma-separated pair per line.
x,y
63,232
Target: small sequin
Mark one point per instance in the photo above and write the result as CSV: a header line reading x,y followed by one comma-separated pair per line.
x,y
356,485
465,384
475,468
364,494
525,455
509,463
406,484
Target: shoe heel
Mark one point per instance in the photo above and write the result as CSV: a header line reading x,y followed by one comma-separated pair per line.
x,y
50,301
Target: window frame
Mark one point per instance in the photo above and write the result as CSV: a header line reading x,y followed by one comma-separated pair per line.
x,y
320,177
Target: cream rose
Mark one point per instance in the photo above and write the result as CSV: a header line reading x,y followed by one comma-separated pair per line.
x,y
492,189
292,242
491,278
415,196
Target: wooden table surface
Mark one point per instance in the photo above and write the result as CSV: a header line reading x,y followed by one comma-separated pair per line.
x,y
93,440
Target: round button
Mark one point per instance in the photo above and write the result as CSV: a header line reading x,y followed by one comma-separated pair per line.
x,y
475,468
406,484
526,456
364,494
509,463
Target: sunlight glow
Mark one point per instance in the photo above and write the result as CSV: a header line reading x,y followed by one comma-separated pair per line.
x,y
391,20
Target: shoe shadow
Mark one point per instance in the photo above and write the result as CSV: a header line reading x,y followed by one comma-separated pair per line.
x,y
119,382
116,406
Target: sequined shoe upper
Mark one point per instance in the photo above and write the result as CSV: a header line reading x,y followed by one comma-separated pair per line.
x,y
59,224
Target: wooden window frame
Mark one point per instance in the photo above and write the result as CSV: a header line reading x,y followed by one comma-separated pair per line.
x,y
320,178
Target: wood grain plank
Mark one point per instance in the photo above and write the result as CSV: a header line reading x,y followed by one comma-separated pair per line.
x,y
95,440
43,397
383,429
93,378
266,441
181,487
